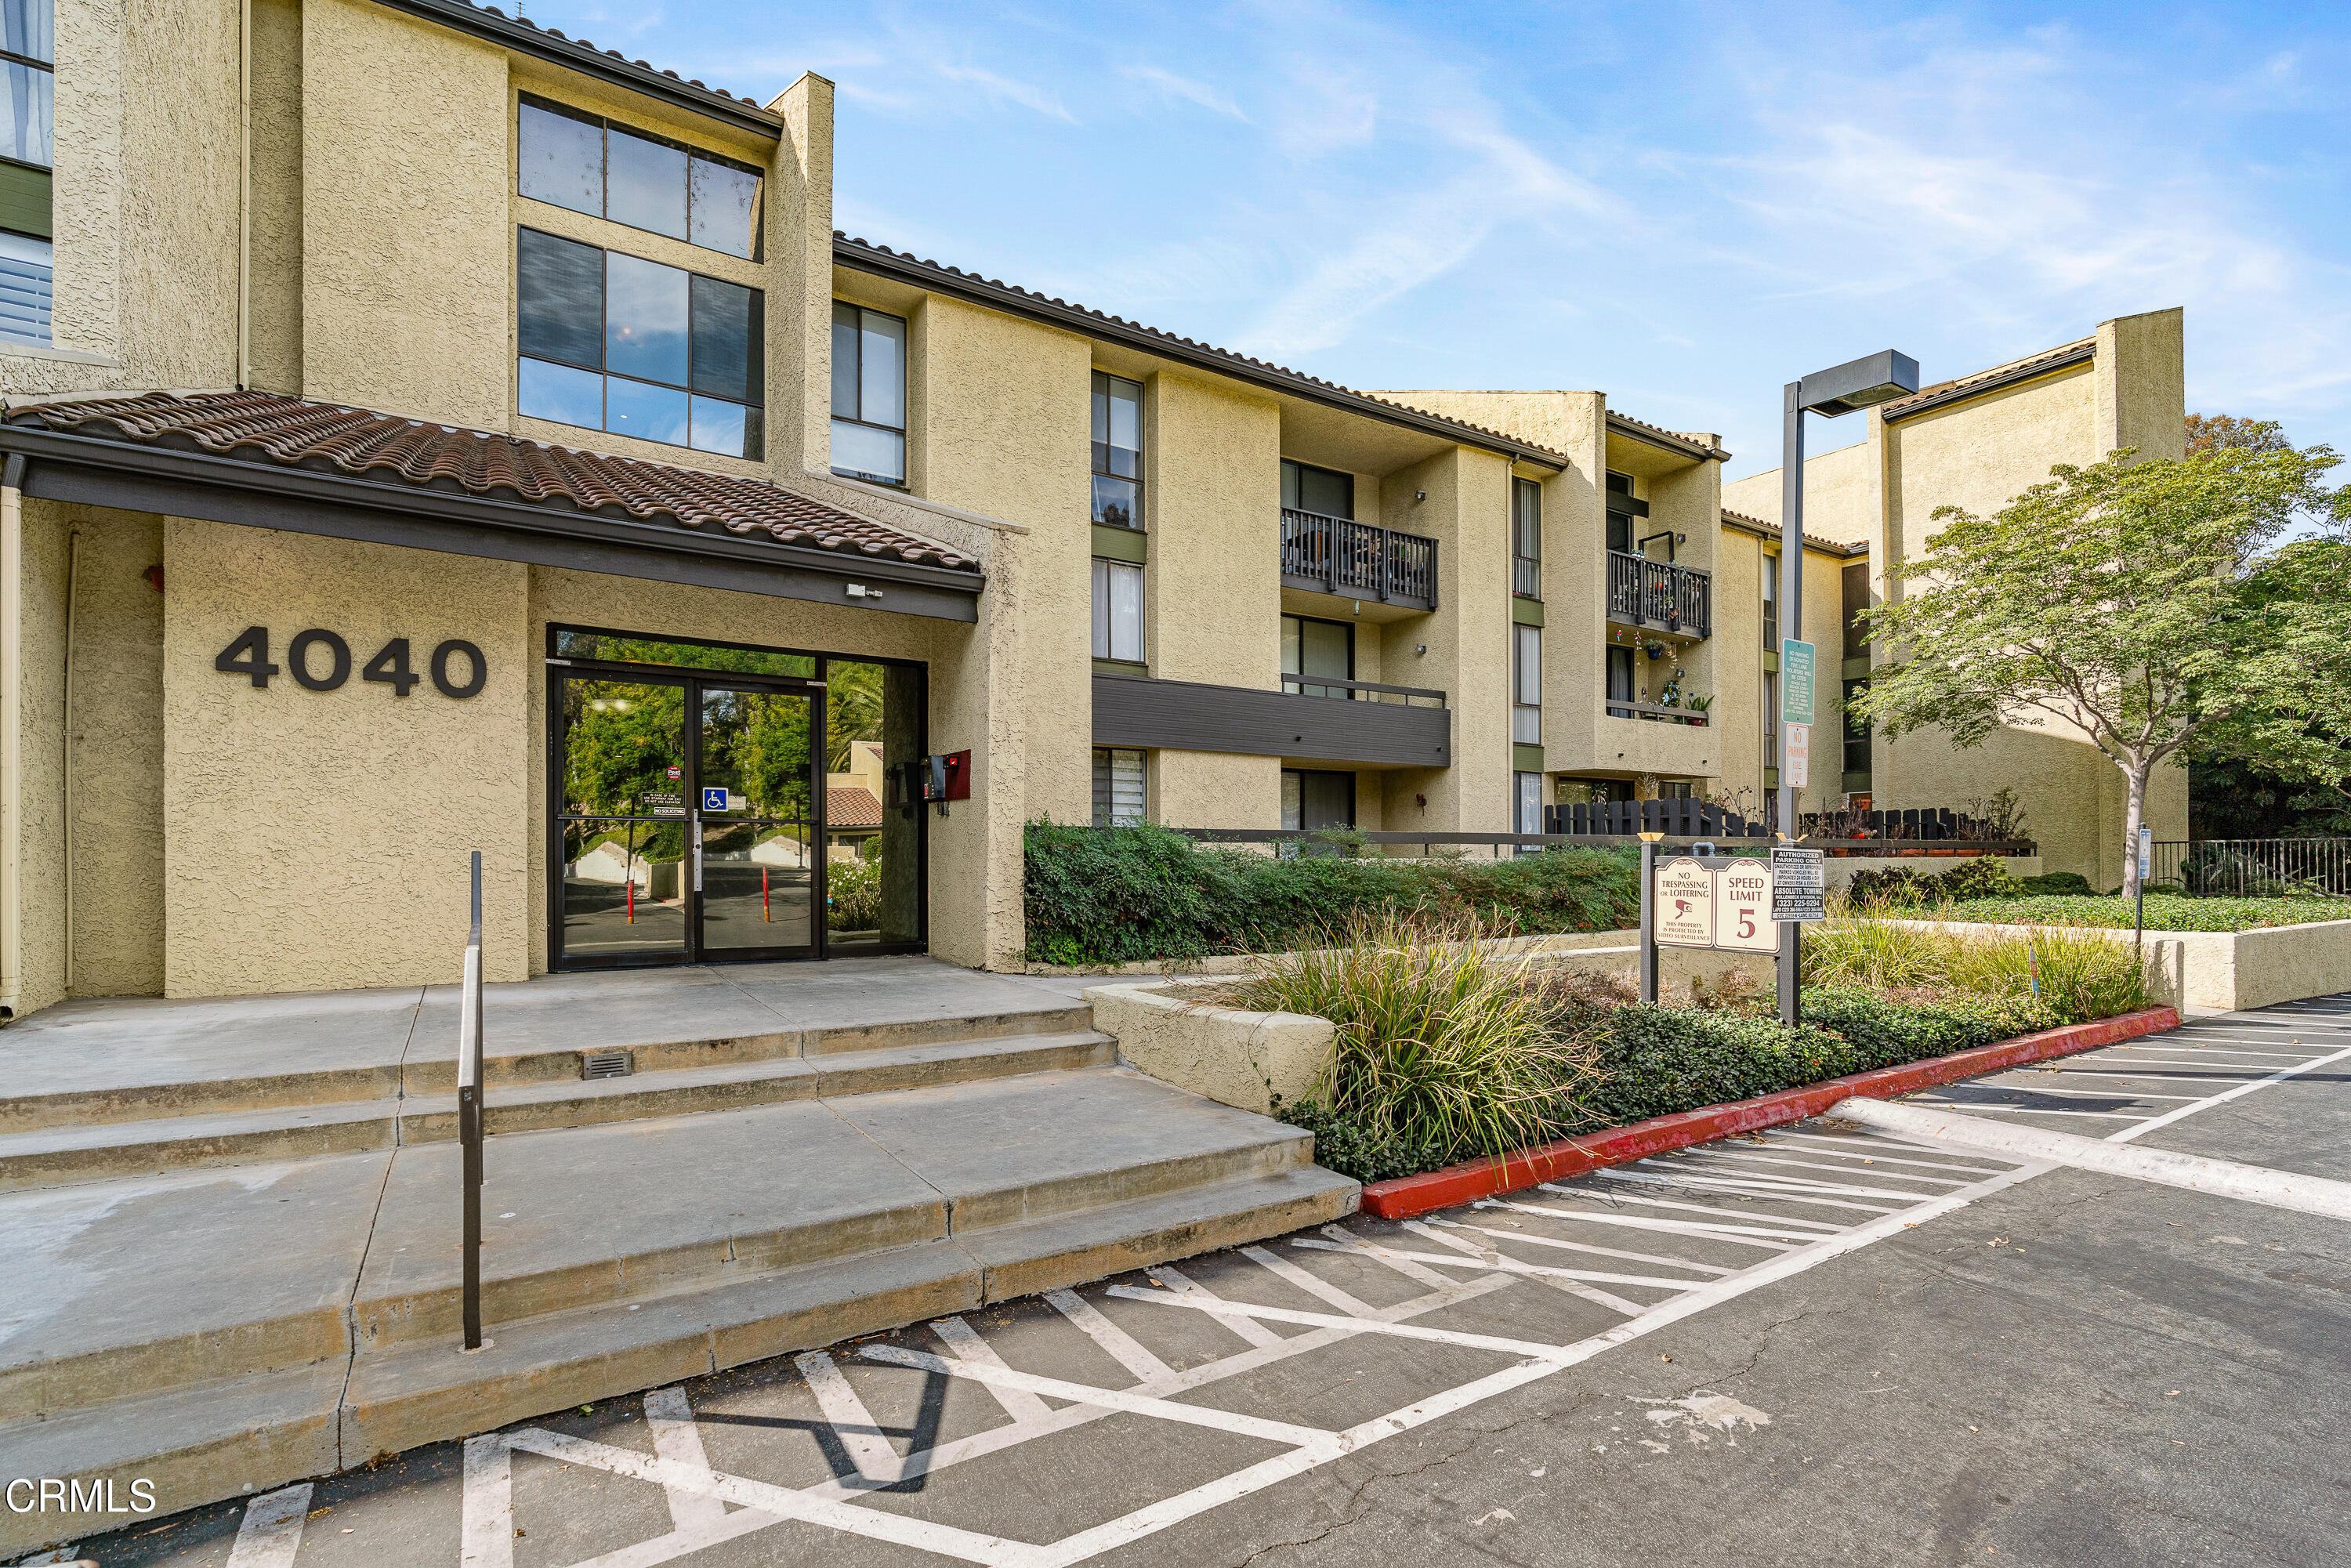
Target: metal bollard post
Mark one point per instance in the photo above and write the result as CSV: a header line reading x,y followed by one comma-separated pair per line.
x,y
469,1114
1649,915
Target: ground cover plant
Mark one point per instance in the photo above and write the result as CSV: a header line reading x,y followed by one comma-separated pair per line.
x,y
1447,1050
2164,912
1111,895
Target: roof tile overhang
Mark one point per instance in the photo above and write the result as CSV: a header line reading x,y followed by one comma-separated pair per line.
x,y
2030,368
1812,542
284,462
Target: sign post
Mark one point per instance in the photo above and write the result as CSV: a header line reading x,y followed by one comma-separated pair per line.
x,y
2146,864
1796,686
1798,894
1649,915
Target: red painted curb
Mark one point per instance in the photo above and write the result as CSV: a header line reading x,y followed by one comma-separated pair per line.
x,y
1406,1195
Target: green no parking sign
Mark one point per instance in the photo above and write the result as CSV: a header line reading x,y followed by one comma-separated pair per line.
x,y
1795,682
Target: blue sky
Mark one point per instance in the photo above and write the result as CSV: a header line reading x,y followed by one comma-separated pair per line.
x,y
1682,204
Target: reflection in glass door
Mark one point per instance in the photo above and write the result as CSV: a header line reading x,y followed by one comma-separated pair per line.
x,y
761,873
622,751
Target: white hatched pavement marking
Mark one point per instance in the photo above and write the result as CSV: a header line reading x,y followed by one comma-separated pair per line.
x,y
1349,1241
965,1340
2303,1055
1745,1188
1570,1280
2014,1086
271,1532
1312,1284
1126,1399
1175,1280
1554,1242
1739,1235
2241,1089
1712,1153
2125,1067
1874,1146
1692,1160
845,1412
675,1437
1724,1219
2037,1111
486,1534
1117,1342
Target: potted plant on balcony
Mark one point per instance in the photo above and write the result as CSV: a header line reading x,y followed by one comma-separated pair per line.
x,y
1698,702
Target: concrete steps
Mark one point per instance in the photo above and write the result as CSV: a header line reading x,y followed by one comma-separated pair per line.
x,y
73,1151
233,1329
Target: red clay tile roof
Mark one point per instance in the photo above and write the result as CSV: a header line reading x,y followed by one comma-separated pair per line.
x,y
1708,448
851,806
2014,370
1815,541
328,438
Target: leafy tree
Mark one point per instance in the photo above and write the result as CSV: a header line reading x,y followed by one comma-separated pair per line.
x,y
2144,604
2207,430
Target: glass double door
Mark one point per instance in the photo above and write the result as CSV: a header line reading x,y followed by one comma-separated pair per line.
x,y
692,823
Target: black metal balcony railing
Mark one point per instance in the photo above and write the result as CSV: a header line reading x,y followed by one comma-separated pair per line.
x,y
1644,592
1361,691
1357,560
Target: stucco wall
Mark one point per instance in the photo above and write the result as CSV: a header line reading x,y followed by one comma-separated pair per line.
x,y
115,746
274,339
318,839
33,662
407,274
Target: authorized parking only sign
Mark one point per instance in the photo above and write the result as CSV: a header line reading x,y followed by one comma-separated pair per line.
x,y
1797,893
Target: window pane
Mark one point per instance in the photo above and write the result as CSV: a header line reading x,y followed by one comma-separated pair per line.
x,y
27,25
25,288
559,299
1102,610
1126,418
649,413
1125,788
644,321
1327,648
562,160
645,184
1530,665
726,208
1620,532
725,339
1527,511
561,394
1117,502
1126,612
1526,726
1289,485
30,135
1620,674
720,427
844,360
1102,408
874,453
1293,639
882,370
1320,490
1293,803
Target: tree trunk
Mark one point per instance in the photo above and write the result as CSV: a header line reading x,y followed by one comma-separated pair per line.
x,y
2134,813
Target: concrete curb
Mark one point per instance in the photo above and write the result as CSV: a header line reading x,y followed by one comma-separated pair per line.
x,y
1406,1195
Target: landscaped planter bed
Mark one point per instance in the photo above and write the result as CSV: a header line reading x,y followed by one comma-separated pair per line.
x,y
2220,971
1403,1196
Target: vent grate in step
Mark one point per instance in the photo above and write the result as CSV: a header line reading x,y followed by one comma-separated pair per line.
x,y
607,1064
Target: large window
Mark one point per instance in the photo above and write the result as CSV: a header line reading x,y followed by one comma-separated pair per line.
x,y
1526,686
27,147
1118,612
1620,680
1313,647
1317,798
593,165
1118,451
1856,732
1306,488
1526,539
1118,787
1621,508
1527,802
1771,603
617,342
869,394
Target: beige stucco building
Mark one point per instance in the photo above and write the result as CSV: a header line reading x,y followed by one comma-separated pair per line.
x,y
439,435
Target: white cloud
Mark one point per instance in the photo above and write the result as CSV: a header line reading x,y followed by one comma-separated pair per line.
x,y
1004,89
1185,89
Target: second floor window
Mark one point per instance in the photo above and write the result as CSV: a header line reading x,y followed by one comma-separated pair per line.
x,y
1526,539
1620,680
1325,491
593,166
1313,647
1118,612
616,342
1526,686
1857,609
27,147
1771,603
1118,451
1622,509
869,394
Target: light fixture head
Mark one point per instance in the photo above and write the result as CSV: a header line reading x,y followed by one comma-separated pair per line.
x,y
1859,383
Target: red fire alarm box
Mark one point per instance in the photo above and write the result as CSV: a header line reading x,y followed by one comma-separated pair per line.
x,y
959,775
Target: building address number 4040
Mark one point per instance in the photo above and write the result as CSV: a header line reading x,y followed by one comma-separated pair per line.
x,y
249,655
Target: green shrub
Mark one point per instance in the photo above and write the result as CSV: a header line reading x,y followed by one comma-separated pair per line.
x,y
1889,886
853,888
1980,876
1439,1042
1111,895
1345,1141
2083,974
2060,882
2164,912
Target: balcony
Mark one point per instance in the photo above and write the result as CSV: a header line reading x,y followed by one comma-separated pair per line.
x,y
1677,600
1357,721
1357,560
1331,687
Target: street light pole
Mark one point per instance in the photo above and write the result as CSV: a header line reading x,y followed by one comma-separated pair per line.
x,y
1792,607
1842,388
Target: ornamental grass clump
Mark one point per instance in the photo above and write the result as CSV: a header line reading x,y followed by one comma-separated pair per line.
x,y
2082,974
1440,1042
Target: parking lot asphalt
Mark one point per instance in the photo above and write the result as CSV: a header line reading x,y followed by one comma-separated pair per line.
x,y
1820,1344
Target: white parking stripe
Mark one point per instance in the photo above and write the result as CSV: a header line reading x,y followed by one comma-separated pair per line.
x,y
1349,1241
1311,1283
1720,1153
2171,1043
675,1437
1553,1241
1871,1147
2031,1110
1725,1184
2013,1086
1474,1258
1731,1219
1570,1280
965,1340
860,1433
1738,1234
2280,1076
1702,1160
1175,1280
1121,1346
485,1532
2279,1189
271,1532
